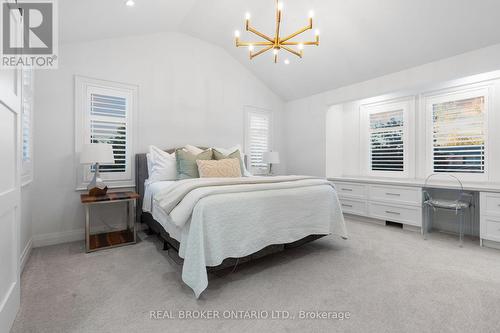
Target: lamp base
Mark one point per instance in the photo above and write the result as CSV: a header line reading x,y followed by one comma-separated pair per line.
x,y
97,187
97,192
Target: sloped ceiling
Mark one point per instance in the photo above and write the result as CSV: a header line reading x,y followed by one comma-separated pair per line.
x,y
360,39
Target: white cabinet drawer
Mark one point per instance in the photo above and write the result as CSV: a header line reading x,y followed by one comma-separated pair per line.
x,y
490,228
355,207
490,204
396,194
351,190
407,215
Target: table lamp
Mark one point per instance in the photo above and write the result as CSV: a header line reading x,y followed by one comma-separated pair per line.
x,y
95,153
271,157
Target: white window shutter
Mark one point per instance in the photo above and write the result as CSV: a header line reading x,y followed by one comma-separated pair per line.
x,y
387,141
459,136
108,124
258,139
26,126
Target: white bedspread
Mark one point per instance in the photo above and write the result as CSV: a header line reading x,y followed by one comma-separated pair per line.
x,y
228,218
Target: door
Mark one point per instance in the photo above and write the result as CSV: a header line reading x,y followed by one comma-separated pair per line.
x,y
10,105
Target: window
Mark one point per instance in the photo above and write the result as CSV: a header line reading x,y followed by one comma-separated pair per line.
x,y
104,113
387,137
257,138
386,141
27,124
458,132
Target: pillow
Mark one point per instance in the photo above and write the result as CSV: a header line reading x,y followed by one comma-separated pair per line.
x,y
193,150
229,167
149,163
186,163
162,164
236,154
228,151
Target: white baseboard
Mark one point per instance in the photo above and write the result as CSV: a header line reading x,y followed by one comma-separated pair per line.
x,y
54,238
25,255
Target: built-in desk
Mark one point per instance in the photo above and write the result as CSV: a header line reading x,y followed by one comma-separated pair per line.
x,y
400,200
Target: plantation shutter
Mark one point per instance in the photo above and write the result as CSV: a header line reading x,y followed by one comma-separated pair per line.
x,y
27,97
386,141
258,136
459,135
108,124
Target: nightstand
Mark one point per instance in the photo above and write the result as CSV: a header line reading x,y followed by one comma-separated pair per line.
x,y
106,240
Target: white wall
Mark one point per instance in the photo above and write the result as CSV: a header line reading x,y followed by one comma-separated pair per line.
x,y
189,92
305,115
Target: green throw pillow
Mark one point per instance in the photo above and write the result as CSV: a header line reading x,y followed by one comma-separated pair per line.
x,y
186,163
236,154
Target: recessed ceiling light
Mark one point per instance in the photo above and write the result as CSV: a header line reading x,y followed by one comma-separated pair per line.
x,y
287,62
130,3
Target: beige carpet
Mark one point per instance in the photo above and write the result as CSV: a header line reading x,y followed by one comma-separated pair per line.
x,y
389,280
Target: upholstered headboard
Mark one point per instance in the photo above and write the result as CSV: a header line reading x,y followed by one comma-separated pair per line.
x,y
141,174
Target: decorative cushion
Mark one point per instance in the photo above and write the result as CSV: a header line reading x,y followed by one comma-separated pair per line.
x,y
226,168
236,154
161,165
193,149
186,163
228,151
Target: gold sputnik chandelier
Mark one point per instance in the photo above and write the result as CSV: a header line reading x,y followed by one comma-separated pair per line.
x,y
276,43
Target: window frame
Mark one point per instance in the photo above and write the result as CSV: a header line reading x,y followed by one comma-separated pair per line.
x,y
449,95
84,87
27,164
249,110
407,104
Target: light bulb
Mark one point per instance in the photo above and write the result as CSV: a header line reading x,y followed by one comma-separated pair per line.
x,y
247,16
300,46
130,3
316,33
280,5
275,51
250,48
287,62
237,34
311,13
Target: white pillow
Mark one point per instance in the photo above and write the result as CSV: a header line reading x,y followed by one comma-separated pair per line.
x,y
150,164
227,151
163,165
193,150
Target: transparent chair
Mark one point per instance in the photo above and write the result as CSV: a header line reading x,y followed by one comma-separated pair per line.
x,y
464,202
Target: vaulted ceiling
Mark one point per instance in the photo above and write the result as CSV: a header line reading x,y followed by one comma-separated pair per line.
x,y
360,39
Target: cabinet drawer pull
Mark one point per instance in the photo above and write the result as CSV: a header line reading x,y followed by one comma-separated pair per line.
x,y
346,205
347,189
391,212
393,194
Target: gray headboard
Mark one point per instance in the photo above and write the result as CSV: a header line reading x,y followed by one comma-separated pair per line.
x,y
141,174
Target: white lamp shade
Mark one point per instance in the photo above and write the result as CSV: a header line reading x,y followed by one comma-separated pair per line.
x,y
271,157
97,153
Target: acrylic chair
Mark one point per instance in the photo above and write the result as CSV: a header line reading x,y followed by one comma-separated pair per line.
x,y
463,202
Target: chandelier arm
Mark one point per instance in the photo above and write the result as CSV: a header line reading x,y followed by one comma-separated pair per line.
x,y
260,34
241,44
298,54
309,27
303,43
258,53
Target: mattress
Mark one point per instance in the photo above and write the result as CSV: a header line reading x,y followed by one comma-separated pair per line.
x,y
150,190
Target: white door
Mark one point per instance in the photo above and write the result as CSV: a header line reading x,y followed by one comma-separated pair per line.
x,y
10,104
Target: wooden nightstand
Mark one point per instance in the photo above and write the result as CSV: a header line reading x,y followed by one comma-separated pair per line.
x,y
94,242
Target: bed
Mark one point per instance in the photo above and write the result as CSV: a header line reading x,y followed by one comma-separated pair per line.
x,y
213,224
